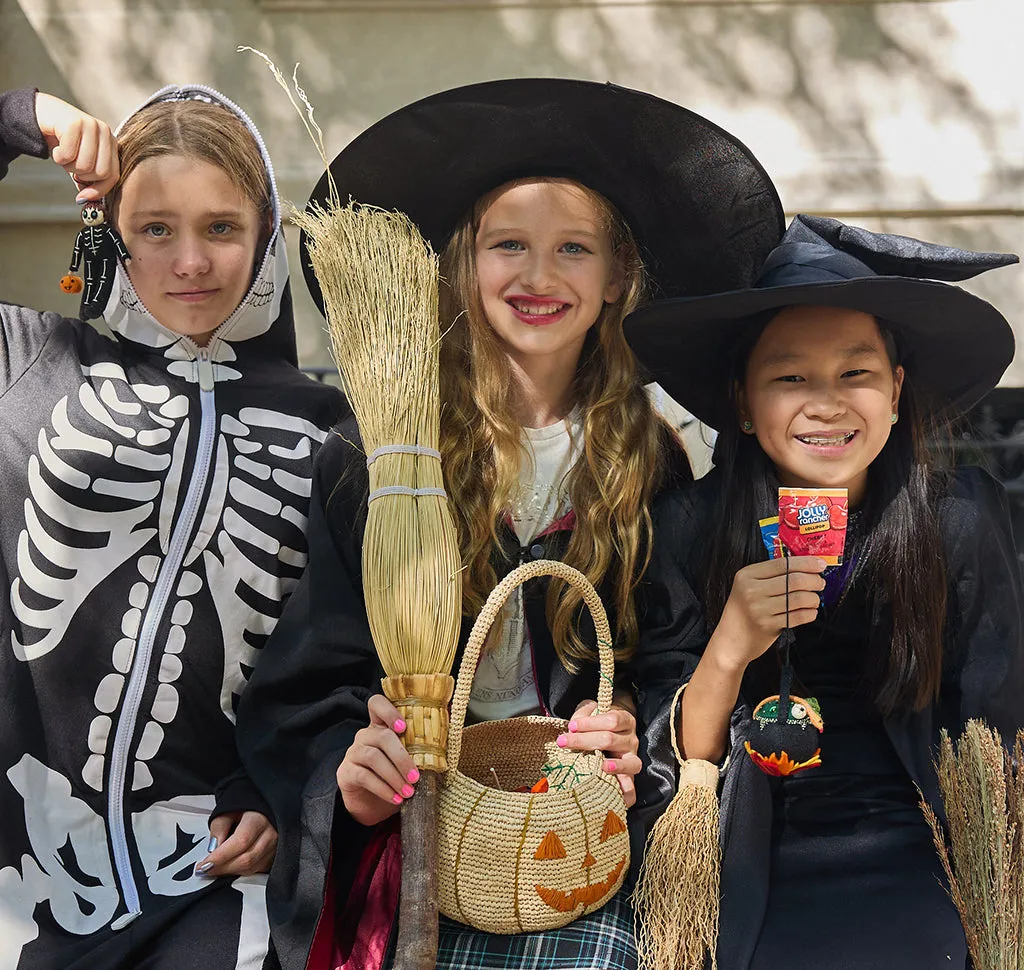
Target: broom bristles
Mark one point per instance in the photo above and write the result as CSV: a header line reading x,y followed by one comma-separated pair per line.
x,y
379,281
676,897
983,795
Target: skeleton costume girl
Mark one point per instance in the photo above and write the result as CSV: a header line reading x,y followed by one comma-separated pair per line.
x,y
154,524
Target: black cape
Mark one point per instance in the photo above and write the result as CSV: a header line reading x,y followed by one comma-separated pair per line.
x,y
307,699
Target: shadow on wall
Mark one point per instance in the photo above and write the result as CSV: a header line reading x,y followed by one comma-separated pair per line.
x,y
891,108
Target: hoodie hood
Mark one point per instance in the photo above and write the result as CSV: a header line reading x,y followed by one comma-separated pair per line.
x,y
261,325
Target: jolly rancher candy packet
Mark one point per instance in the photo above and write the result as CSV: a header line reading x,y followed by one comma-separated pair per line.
x,y
812,522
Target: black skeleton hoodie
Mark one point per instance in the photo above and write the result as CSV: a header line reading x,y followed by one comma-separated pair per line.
x,y
155,499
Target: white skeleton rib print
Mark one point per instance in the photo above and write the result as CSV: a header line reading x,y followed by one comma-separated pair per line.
x,y
81,527
73,874
117,516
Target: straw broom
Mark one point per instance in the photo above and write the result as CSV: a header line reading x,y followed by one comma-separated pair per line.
x,y
379,280
675,902
983,794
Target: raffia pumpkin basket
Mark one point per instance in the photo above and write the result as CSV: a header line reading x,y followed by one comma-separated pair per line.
x,y
512,859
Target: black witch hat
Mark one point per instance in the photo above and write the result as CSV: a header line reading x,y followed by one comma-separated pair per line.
x,y
954,345
703,211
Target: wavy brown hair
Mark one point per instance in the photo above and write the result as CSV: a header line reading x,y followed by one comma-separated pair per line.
x,y
624,441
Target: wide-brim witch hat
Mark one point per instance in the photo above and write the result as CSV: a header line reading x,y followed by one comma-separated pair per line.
x,y
954,345
702,209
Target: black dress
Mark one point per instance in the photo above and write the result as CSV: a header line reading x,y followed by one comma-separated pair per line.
x,y
850,848
834,867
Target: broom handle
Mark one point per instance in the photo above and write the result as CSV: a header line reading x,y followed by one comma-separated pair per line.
x,y
482,626
422,701
416,947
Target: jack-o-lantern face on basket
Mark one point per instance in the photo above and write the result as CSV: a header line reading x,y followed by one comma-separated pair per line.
x,y
71,284
514,862
594,887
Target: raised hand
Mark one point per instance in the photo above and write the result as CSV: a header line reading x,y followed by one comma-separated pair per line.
x,y
82,145
757,609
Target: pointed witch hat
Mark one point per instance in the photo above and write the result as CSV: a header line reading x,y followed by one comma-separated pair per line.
x,y
954,344
703,210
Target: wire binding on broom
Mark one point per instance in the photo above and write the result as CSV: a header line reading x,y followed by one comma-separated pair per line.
x,y
401,450
404,490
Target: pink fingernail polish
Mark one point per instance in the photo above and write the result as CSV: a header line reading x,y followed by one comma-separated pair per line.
x,y
396,799
562,740
408,791
413,776
399,726
573,725
609,766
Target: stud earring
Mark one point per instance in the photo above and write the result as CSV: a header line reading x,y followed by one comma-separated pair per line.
x,y
748,426
893,418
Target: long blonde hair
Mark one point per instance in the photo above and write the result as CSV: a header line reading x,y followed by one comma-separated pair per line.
x,y
612,484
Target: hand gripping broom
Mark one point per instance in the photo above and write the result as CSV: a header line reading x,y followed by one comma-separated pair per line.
x,y
379,281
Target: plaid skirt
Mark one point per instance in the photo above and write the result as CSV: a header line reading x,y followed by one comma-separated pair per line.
x,y
601,941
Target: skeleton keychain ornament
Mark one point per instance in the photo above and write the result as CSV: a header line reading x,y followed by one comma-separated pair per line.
x,y
787,729
98,245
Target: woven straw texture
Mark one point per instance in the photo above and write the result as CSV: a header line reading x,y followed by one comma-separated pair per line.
x,y
520,861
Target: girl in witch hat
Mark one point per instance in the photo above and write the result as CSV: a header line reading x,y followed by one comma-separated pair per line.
x,y
548,200
835,370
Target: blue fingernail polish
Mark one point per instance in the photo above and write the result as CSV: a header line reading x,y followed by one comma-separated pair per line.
x,y
204,868
212,844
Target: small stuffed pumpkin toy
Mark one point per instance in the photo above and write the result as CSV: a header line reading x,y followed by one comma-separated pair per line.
x,y
786,733
784,745
70,283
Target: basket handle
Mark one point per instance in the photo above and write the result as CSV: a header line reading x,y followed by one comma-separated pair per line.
x,y
482,626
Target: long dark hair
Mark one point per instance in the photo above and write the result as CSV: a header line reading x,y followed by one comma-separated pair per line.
x,y
903,561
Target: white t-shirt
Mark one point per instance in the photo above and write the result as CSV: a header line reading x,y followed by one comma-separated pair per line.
x,y
505,685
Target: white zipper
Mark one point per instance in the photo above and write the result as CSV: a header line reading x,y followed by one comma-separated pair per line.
x,y
162,589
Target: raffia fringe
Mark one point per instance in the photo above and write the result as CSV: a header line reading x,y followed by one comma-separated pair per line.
x,y
676,898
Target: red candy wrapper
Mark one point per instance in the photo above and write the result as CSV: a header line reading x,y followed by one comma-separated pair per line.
x,y
812,522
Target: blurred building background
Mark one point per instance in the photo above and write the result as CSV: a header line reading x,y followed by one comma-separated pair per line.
x,y
901,115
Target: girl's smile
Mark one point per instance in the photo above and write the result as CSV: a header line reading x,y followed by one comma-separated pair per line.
x,y
827,443
821,392
537,312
